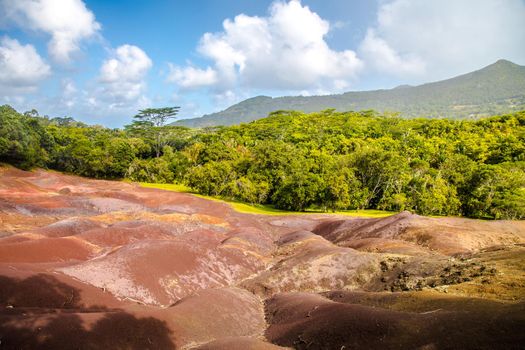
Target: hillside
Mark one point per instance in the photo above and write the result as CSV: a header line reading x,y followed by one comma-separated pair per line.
x,y
92,264
495,89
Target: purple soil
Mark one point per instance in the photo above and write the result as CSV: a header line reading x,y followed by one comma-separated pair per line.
x,y
306,321
103,264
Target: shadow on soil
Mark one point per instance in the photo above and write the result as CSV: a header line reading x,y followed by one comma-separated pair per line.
x,y
317,324
40,312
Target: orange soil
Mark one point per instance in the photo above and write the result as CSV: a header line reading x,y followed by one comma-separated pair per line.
x,y
101,264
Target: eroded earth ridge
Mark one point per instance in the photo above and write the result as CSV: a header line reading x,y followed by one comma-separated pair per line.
x,y
89,264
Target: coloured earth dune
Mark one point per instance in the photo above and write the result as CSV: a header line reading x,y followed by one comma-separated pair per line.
x,y
91,264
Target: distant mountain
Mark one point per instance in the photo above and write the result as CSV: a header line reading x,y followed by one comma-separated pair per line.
x,y
498,88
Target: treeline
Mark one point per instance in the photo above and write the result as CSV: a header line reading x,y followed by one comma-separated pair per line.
x,y
295,161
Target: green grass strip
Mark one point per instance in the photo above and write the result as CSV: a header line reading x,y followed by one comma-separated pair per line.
x,y
267,209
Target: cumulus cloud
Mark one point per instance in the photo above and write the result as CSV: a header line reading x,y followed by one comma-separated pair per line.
x,y
69,91
384,58
192,77
21,67
283,51
436,39
122,76
68,22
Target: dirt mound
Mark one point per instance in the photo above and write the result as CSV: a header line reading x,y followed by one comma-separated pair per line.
x,y
47,250
307,262
39,290
159,272
112,329
306,321
102,264
213,314
67,227
106,205
295,237
392,246
120,236
417,302
445,235
199,319
41,311
295,223
239,343
250,239
344,230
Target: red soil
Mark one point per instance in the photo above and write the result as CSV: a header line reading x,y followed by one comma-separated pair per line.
x,y
46,250
307,321
101,264
239,343
445,235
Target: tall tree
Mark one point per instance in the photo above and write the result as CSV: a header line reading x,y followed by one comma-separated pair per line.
x,y
153,120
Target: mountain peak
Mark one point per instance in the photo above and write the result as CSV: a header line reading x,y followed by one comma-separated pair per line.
x,y
502,63
403,86
495,89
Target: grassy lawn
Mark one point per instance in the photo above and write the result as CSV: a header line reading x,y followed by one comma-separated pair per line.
x,y
168,187
267,209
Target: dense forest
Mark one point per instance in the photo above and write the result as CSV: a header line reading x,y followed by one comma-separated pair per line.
x,y
296,161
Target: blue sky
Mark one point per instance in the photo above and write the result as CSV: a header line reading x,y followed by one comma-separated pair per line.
x,y
101,61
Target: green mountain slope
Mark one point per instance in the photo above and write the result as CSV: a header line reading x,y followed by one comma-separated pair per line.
x,y
495,89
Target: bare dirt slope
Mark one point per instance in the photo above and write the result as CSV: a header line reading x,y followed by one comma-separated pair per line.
x,y
96,264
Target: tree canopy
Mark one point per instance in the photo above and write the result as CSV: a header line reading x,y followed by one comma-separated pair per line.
x,y
149,122
296,161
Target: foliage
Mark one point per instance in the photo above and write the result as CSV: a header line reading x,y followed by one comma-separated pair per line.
x,y
149,123
23,140
326,161
264,209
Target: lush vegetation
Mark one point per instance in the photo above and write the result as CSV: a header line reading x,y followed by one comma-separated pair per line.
x,y
266,209
293,161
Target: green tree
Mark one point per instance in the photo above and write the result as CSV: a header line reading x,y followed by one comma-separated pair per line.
x,y
497,191
24,141
212,179
152,121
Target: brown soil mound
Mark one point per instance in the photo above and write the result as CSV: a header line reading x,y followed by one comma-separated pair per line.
x,y
446,235
417,302
102,265
306,321
47,250
213,314
112,329
307,262
250,239
342,230
239,343
25,289
58,318
159,272
381,245
67,227
119,236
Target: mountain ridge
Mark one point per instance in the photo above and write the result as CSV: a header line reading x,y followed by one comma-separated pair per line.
x,y
495,89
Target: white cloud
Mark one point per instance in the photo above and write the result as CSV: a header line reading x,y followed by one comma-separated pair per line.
x,y
68,96
191,77
21,67
123,75
68,22
284,51
225,99
382,57
436,39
